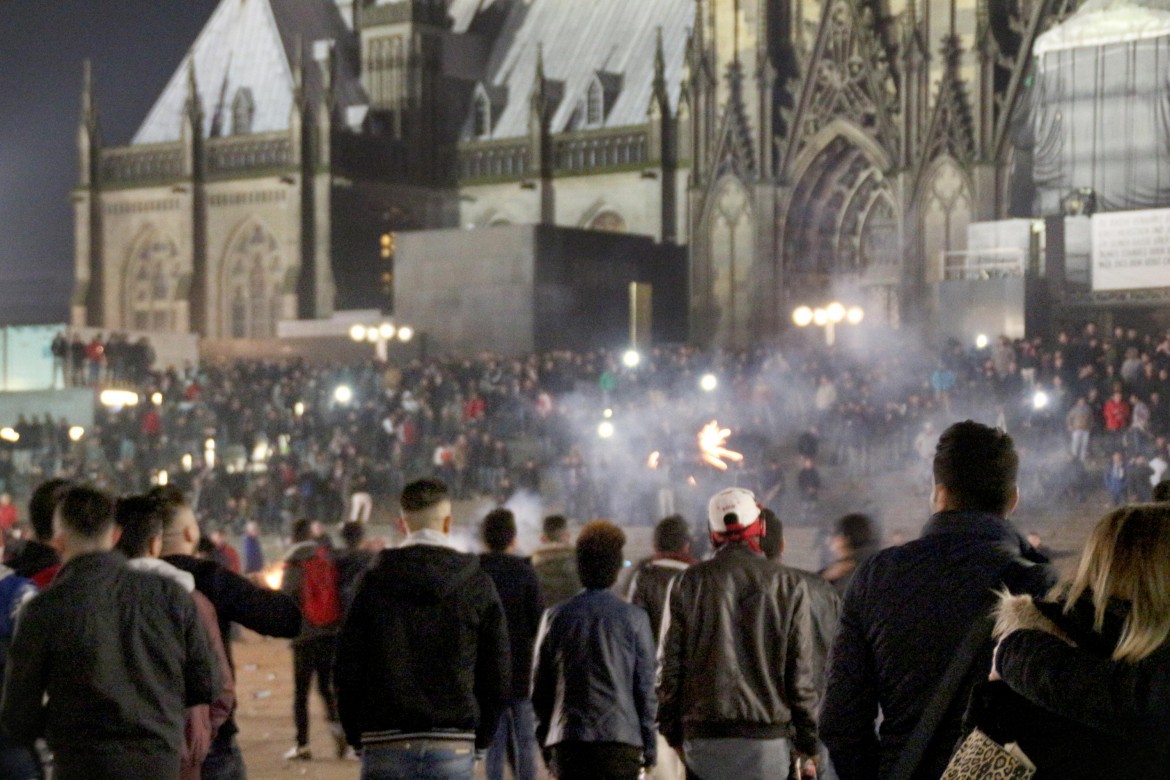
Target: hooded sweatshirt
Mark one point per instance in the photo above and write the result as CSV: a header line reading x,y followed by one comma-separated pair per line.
x,y
202,721
424,649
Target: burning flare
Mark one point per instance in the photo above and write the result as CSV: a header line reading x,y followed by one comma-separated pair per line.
x,y
652,461
711,441
274,576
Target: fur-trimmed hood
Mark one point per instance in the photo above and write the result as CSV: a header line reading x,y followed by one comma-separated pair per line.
x,y
1015,613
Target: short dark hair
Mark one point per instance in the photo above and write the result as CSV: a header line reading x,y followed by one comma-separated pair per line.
x,y
86,511
977,465
170,500
302,530
599,553
772,542
1162,491
672,534
499,529
42,503
555,527
858,529
422,494
352,533
141,519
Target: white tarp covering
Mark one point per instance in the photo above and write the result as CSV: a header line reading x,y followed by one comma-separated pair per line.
x,y
1102,22
1131,250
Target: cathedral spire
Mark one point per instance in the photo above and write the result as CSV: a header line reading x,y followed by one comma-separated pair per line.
x,y
660,89
194,105
89,115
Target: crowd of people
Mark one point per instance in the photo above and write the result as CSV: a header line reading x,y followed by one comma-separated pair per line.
x,y
275,441
955,654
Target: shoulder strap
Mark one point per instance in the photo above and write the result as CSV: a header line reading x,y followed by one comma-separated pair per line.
x,y
948,687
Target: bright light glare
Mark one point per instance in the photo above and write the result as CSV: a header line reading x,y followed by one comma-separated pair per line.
x,y
274,576
209,445
188,462
855,315
76,432
653,460
708,382
358,332
711,441
605,430
299,408
1039,400
118,398
163,478
9,434
631,358
343,394
387,331
821,317
607,413
981,341
802,316
156,398
405,333
372,335
835,311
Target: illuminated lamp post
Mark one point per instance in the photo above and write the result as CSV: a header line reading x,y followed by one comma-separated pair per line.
x,y
828,317
380,335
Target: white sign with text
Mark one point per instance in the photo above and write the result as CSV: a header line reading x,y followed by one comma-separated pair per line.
x,y
1131,250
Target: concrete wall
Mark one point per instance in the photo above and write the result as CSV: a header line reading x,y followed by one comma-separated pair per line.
x,y
516,289
468,290
75,404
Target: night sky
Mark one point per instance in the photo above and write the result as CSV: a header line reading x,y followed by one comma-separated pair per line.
x,y
135,46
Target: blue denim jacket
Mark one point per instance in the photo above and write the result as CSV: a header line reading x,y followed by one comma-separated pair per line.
x,y
593,679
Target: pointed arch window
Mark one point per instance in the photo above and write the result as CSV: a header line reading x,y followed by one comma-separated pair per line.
x,y
594,104
151,284
243,111
482,116
252,284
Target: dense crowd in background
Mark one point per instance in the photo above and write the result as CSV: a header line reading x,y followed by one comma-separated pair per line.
x,y
275,441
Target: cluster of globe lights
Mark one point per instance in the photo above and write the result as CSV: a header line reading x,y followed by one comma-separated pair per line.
x,y
386,331
831,314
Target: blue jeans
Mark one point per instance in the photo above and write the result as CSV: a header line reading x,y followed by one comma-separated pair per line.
x,y
515,741
421,763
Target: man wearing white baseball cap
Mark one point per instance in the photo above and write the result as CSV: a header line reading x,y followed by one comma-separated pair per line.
x,y
735,689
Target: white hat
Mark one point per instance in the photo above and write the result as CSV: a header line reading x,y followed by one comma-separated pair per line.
x,y
733,501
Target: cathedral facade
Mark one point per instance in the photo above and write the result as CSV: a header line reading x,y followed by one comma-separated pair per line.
x,y
799,149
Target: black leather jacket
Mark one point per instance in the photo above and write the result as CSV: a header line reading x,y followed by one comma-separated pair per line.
x,y
736,658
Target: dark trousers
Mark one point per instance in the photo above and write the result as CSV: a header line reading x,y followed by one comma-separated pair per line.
x,y
596,761
224,762
313,656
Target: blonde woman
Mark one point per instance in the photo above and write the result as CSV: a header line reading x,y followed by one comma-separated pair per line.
x,y
1082,682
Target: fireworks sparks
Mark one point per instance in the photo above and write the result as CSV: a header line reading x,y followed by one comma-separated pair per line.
x,y
711,441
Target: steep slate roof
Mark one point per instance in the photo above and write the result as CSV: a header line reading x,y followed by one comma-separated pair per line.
x,y
253,43
579,38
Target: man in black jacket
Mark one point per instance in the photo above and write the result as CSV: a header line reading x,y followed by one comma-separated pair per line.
x,y
736,690
910,607
37,560
105,660
423,663
519,591
236,600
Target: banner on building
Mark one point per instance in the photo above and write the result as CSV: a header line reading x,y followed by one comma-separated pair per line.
x,y
1131,250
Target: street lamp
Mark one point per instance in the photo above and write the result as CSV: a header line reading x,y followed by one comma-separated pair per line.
x,y
708,382
631,358
381,334
828,317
